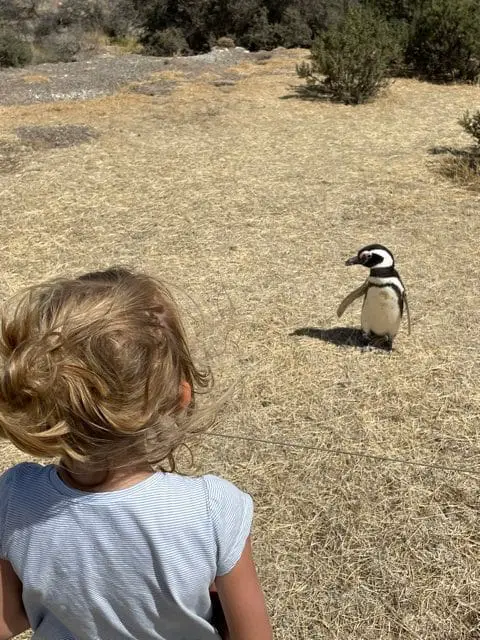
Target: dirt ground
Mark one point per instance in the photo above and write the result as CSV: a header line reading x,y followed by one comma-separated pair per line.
x,y
248,200
105,74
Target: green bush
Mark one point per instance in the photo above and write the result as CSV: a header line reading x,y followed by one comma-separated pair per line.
x,y
88,14
19,10
183,20
293,30
115,18
14,50
225,42
471,123
46,24
395,10
121,19
354,56
261,34
59,46
230,16
445,40
168,42
254,24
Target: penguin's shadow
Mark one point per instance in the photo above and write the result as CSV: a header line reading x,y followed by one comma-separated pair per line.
x,y
340,336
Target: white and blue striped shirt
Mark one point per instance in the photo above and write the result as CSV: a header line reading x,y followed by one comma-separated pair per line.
x,y
132,564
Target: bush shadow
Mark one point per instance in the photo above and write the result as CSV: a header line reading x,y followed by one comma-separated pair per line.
x,y
316,93
461,166
467,152
339,336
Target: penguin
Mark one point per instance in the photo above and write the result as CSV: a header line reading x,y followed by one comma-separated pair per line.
x,y
384,297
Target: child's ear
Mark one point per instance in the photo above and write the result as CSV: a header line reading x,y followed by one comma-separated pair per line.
x,y
185,394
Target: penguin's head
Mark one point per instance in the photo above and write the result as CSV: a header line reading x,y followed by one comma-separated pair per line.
x,y
371,256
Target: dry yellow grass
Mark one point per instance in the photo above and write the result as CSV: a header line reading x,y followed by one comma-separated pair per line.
x,y
249,204
463,169
35,78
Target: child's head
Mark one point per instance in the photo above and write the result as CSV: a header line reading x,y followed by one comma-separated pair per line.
x,y
94,369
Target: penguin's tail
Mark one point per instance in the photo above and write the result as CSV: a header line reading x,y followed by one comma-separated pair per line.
x,y
407,309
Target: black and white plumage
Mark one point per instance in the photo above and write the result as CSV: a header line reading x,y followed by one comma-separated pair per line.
x,y
384,296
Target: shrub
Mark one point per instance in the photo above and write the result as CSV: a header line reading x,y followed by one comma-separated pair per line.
x,y
261,34
445,40
181,20
395,10
463,165
354,56
121,19
471,123
230,16
19,10
88,14
127,45
46,24
293,30
168,42
59,46
115,18
462,169
226,43
254,24
14,50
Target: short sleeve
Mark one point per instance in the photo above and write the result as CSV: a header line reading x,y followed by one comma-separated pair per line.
x,y
231,512
6,482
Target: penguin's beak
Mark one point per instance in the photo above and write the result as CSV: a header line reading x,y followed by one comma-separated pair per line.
x,y
351,261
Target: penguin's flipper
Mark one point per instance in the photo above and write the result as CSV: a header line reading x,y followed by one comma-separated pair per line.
x,y
352,296
408,312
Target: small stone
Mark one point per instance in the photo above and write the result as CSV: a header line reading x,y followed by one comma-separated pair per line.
x,y
224,83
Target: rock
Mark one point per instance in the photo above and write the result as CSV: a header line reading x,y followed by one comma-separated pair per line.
x,y
224,83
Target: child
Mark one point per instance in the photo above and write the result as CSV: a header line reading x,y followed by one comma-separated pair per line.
x,y
96,371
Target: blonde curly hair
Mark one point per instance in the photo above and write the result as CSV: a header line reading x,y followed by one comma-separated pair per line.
x,y
91,370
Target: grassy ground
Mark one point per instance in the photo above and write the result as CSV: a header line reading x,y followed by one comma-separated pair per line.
x,y
249,203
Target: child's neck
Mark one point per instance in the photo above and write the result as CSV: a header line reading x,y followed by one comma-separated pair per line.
x,y
79,476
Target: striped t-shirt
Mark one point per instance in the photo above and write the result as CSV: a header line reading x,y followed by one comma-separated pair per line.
x,y
132,564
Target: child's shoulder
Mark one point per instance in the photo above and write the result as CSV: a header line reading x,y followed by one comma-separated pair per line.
x,y
219,493
212,485
217,485
22,471
208,479
22,475
231,513
21,479
224,497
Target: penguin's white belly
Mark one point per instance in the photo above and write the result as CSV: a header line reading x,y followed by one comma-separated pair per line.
x,y
381,312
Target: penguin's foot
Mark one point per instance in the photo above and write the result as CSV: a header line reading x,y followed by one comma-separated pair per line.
x,y
368,348
365,340
372,342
